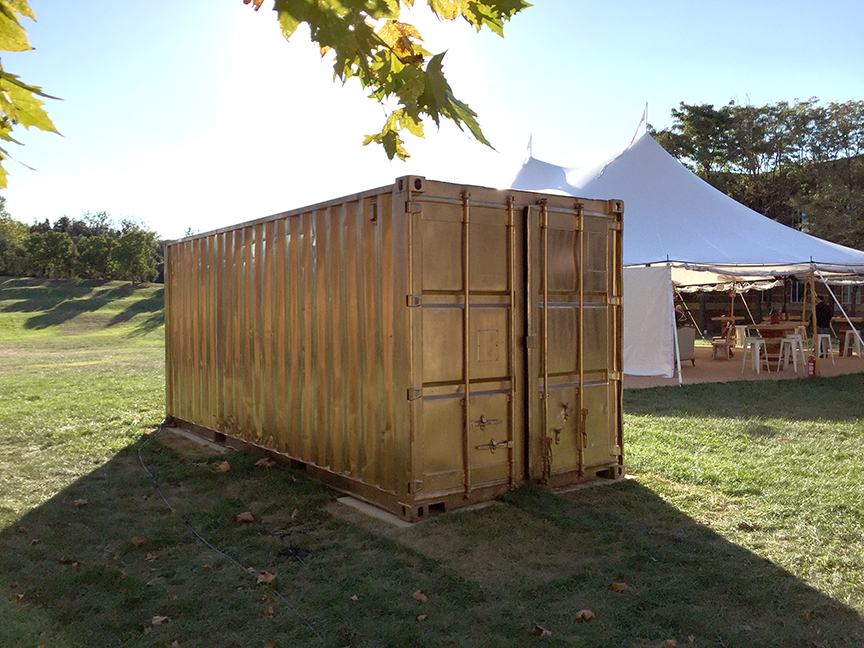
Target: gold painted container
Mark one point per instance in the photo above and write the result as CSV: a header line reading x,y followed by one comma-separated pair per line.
x,y
338,336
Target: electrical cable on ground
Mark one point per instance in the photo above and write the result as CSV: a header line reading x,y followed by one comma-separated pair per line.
x,y
246,570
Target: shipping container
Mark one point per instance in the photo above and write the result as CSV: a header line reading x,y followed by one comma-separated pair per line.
x,y
424,345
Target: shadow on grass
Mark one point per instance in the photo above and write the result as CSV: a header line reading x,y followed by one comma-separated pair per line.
x,y
802,400
489,574
58,302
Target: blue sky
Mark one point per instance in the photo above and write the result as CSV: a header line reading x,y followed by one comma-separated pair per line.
x,y
197,114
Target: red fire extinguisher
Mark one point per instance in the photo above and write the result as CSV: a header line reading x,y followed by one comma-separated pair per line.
x,y
811,366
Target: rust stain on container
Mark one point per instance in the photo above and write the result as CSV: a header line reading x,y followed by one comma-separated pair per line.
x,y
424,345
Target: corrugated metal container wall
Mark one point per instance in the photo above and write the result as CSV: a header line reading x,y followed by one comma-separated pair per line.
x,y
337,335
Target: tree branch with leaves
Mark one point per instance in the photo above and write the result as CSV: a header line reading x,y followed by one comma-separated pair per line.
x,y
369,42
19,102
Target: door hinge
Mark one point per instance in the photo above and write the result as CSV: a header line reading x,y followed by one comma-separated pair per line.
x,y
615,375
615,451
614,301
415,486
415,393
413,207
414,301
531,342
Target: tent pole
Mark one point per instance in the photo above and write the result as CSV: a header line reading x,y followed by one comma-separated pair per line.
x,y
674,326
811,280
840,306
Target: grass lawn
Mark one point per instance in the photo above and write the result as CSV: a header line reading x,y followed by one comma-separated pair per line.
x,y
742,525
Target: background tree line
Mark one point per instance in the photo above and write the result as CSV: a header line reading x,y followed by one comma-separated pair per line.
x,y
800,163
90,247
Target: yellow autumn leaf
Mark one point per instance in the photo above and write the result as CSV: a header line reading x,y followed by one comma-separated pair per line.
x,y
420,596
223,466
246,516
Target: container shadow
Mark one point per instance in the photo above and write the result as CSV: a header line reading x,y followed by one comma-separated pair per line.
x,y
789,399
537,558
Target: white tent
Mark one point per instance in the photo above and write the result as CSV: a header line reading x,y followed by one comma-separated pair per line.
x,y
673,217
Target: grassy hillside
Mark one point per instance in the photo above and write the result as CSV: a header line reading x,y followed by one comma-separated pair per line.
x,y
82,376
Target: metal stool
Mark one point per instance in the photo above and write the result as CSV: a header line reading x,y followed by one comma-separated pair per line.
x,y
798,346
789,347
758,354
824,346
852,342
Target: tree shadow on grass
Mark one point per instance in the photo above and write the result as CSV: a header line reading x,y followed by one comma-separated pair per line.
x,y
814,399
97,562
154,304
58,305
40,294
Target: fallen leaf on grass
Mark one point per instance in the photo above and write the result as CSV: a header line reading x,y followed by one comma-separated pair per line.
x,y
269,611
269,644
669,643
245,517
150,557
35,541
138,540
422,617
618,587
15,597
355,598
159,620
294,516
223,466
539,631
265,577
207,567
584,615
80,502
420,596
264,462
175,644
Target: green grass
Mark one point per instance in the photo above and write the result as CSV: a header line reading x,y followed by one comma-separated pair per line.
x,y
742,526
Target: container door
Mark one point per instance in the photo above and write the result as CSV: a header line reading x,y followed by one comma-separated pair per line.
x,y
471,305
578,382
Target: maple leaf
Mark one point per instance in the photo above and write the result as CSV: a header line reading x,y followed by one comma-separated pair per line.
x,y
15,598
269,611
420,596
223,466
80,502
539,631
138,540
264,462
584,615
265,577
245,517
618,587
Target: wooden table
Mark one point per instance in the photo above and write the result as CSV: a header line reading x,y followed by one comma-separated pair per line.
x,y
841,325
773,335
